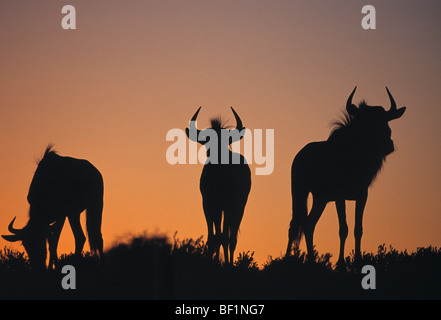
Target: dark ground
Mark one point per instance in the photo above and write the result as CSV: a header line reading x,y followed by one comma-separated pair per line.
x,y
154,268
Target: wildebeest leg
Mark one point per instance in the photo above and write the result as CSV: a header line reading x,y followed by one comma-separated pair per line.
x,y
343,232
235,217
318,206
226,235
53,237
213,217
80,239
217,232
358,230
93,223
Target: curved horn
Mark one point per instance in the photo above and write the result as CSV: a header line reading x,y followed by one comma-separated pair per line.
x,y
349,102
12,229
239,125
393,112
195,114
393,105
240,133
192,127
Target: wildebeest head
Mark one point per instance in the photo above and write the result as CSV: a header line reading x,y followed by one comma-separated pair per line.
x,y
236,134
368,125
223,135
33,239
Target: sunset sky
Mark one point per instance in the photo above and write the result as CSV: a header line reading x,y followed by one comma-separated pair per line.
x,y
110,91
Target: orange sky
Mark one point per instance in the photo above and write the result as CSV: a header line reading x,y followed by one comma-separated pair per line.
x,y
111,89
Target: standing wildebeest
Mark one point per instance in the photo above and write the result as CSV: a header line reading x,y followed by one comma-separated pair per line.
x,y
61,187
225,183
339,169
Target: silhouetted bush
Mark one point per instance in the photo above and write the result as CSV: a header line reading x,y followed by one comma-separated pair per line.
x,y
13,260
245,262
152,267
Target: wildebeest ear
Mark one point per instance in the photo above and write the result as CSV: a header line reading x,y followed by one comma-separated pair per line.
x,y
236,135
12,238
397,113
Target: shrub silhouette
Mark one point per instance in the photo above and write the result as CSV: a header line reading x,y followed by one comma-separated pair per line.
x,y
245,262
155,267
13,260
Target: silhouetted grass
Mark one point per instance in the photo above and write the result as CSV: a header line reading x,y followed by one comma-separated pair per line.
x,y
154,267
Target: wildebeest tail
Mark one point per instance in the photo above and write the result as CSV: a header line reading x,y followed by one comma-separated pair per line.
x,y
299,212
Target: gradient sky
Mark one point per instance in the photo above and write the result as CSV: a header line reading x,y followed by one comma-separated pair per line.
x,y
111,89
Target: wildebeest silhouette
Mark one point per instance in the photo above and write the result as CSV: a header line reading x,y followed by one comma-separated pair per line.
x,y
341,168
61,187
225,184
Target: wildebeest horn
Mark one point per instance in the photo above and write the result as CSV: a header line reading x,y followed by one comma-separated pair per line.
x,y
193,126
12,229
239,125
393,112
349,106
393,105
16,233
195,114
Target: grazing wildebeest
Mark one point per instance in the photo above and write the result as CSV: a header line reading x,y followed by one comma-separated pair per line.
x,y
225,183
339,169
61,187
